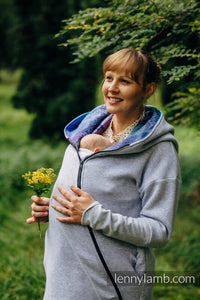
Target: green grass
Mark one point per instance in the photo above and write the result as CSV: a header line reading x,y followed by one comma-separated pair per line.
x,y
21,269
21,266
14,124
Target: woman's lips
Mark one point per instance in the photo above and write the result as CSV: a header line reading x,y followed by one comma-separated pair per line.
x,y
113,100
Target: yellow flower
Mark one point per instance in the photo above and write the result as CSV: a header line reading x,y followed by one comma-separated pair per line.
x,y
40,180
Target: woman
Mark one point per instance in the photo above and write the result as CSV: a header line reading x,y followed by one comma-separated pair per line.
x,y
108,210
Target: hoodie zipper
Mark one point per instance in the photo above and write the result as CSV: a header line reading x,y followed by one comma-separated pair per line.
x,y
92,233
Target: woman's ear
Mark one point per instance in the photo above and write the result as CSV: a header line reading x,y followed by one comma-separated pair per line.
x,y
150,89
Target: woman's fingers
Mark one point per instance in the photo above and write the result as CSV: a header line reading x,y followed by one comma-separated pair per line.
x,y
73,204
39,211
77,190
40,200
31,220
34,220
61,209
69,196
39,214
66,219
66,202
39,208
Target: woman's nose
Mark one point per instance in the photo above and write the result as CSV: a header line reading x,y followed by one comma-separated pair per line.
x,y
113,87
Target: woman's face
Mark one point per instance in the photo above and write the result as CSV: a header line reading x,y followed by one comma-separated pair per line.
x,y
122,95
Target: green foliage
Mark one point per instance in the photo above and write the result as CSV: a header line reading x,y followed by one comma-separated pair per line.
x,y
22,157
21,266
50,87
183,249
9,35
190,172
18,154
185,109
190,253
169,30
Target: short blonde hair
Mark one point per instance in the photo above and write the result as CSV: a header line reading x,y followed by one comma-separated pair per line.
x,y
142,67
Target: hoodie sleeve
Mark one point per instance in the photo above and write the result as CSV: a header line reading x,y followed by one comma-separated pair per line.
x,y
153,227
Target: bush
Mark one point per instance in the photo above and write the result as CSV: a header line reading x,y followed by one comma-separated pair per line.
x,y
15,163
190,172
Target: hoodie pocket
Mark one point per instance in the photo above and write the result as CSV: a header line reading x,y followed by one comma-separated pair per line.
x,y
145,260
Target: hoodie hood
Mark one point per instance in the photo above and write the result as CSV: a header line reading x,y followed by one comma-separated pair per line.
x,y
151,130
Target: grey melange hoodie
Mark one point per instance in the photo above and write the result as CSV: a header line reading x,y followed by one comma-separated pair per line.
x,y
136,188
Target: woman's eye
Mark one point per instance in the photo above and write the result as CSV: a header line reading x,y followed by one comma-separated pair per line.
x,y
108,78
125,81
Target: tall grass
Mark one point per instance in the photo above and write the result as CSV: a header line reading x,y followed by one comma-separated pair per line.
x,y
21,265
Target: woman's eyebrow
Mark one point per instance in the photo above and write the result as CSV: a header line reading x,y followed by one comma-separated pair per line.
x,y
126,76
120,76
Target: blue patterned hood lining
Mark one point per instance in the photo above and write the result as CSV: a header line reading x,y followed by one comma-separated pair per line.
x,y
152,127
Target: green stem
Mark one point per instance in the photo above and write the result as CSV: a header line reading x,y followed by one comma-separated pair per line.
x,y
38,219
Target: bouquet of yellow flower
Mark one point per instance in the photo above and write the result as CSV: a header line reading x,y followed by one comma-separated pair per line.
x,y
40,181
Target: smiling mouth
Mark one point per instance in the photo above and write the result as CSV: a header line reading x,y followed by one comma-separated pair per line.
x,y
114,100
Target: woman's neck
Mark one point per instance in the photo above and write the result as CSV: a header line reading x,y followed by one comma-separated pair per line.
x,y
119,122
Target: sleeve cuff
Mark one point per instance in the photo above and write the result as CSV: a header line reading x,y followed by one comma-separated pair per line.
x,y
85,215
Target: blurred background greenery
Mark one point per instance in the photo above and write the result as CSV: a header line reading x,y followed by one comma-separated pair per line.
x,y
40,92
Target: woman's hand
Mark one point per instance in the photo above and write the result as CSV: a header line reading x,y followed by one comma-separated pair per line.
x,y
73,206
40,209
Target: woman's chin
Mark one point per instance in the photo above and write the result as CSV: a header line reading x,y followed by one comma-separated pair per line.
x,y
113,107
110,109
